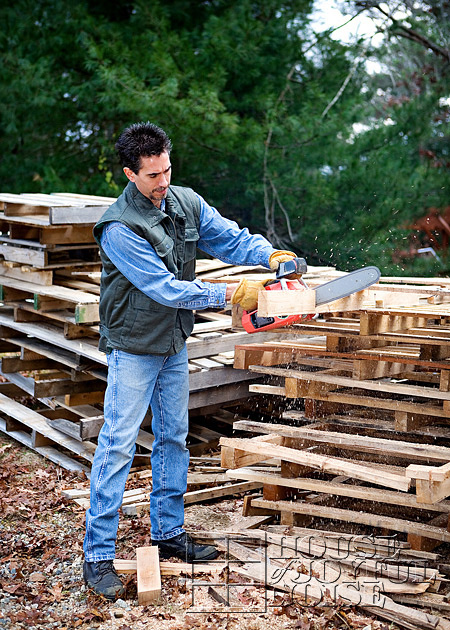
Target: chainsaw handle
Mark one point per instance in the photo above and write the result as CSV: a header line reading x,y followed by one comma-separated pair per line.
x,y
296,266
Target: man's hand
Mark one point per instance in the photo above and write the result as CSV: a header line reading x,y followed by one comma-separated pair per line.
x,y
281,256
246,293
231,288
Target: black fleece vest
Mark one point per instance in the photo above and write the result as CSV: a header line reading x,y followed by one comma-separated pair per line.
x,y
129,319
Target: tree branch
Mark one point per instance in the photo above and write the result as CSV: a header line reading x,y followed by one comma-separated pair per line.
x,y
341,89
411,34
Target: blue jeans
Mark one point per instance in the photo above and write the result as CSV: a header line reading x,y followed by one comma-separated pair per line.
x,y
136,382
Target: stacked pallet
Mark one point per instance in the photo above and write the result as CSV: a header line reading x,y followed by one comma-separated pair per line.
x,y
313,569
318,568
49,315
370,443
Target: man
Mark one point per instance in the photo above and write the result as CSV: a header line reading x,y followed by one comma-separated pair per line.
x,y
148,240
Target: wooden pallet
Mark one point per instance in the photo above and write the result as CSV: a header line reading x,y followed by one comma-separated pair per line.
x,y
379,359
311,571
350,478
54,209
82,305
66,433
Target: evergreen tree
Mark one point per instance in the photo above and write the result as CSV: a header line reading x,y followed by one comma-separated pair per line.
x,y
279,127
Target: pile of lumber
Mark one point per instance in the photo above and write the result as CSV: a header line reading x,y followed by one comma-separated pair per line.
x,y
49,315
314,568
367,441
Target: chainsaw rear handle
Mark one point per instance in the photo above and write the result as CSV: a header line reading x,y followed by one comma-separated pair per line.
x,y
296,265
252,323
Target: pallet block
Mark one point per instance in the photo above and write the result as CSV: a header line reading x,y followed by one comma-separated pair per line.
x,y
148,575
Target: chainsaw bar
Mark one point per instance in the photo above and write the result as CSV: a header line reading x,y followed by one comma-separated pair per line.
x,y
346,285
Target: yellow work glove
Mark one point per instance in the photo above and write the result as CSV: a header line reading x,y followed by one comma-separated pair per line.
x,y
280,256
246,293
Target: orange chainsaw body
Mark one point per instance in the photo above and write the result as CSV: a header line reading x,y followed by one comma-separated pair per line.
x,y
252,323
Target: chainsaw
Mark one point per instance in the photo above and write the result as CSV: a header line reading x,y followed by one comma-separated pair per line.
x,y
328,292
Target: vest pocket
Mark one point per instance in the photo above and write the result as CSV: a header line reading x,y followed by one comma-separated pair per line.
x,y
190,245
164,246
147,324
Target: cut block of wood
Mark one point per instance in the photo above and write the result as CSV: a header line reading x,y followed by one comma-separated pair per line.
x,y
432,482
148,575
434,473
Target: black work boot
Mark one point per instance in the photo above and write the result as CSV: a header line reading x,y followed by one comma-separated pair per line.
x,y
102,577
182,546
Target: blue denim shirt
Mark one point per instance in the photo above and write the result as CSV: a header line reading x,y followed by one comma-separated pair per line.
x,y
136,259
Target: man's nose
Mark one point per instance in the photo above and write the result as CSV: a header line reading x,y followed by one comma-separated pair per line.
x,y
163,180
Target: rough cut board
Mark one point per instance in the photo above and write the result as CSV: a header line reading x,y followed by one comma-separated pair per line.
x,y
276,303
334,465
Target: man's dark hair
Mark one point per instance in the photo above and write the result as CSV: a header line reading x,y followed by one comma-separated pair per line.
x,y
140,140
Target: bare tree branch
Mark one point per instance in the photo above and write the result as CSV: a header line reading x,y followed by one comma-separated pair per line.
x,y
341,89
409,33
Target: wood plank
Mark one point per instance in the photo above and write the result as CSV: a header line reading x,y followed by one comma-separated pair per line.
x,y
213,378
197,496
304,302
379,446
54,291
352,516
427,600
36,422
171,568
198,348
148,575
49,452
338,489
89,214
26,273
342,381
235,457
53,335
324,463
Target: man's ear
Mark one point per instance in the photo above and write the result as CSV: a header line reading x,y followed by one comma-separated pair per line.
x,y
129,173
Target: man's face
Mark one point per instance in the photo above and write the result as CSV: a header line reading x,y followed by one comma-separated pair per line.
x,y
153,178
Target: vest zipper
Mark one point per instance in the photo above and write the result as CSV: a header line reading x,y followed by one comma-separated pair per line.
x,y
180,271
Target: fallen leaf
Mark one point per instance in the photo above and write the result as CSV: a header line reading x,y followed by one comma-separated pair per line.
x,y
56,591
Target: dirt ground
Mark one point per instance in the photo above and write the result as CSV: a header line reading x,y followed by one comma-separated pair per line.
x,y
41,586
